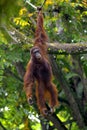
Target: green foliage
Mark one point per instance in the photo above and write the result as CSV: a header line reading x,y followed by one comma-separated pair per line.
x,y
71,16
8,9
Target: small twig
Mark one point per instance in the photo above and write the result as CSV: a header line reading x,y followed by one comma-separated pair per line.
x,y
27,1
43,4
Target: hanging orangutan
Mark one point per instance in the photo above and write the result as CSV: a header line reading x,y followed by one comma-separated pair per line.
x,y
39,72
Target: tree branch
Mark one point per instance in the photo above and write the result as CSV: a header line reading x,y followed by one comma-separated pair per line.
x,y
27,1
56,122
16,36
20,69
79,70
9,72
53,48
2,126
68,48
65,86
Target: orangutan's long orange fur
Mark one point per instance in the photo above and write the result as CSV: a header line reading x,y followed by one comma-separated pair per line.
x,y
45,91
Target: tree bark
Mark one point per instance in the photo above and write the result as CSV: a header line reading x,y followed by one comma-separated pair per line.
x,y
65,86
67,48
20,69
53,48
56,122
